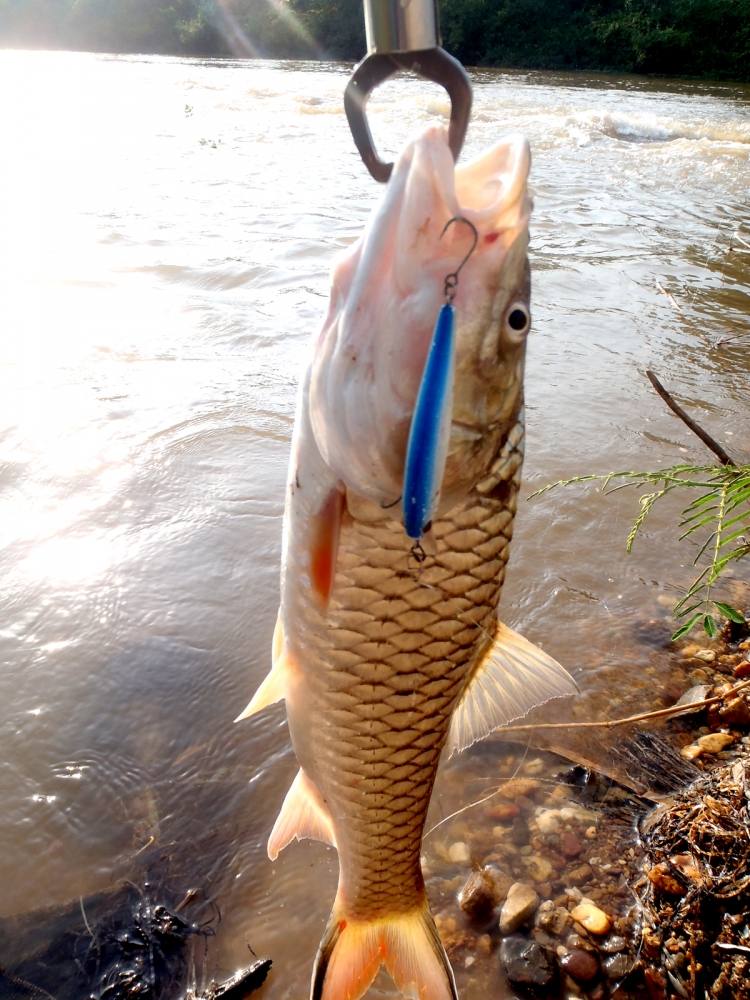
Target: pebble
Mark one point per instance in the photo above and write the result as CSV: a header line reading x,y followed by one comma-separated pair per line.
x,y
570,845
504,812
715,742
742,669
580,874
591,917
519,907
526,963
731,712
538,868
478,896
662,879
617,966
515,788
613,944
705,655
459,853
548,821
580,965
552,918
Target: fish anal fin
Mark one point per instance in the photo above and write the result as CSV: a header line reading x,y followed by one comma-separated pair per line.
x,y
302,815
273,687
407,944
325,529
512,677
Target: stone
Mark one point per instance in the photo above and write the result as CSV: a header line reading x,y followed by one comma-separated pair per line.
x,y
519,906
662,879
705,655
579,875
588,915
547,821
715,742
515,788
613,944
478,896
526,963
731,712
742,669
618,966
459,853
580,965
538,868
691,752
503,812
570,845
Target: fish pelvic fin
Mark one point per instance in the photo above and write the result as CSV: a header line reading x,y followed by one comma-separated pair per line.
x,y
273,686
407,944
512,677
302,815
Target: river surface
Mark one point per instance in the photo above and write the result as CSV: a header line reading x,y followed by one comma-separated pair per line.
x,y
168,226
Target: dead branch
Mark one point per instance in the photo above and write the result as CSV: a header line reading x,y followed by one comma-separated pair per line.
x,y
675,407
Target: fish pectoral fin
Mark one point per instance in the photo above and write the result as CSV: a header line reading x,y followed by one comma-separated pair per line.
x,y
274,684
407,944
302,815
512,677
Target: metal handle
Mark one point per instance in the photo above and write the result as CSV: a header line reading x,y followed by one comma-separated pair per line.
x,y
401,25
432,64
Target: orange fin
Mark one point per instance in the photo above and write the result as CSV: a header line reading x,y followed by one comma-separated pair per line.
x,y
324,545
273,686
512,677
407,944
303,814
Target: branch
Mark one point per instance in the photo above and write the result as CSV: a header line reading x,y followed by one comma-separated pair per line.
x,y
694,427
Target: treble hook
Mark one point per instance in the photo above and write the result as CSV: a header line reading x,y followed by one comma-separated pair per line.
x,y
451,280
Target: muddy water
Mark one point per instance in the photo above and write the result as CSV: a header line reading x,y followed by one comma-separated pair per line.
x,y
167,230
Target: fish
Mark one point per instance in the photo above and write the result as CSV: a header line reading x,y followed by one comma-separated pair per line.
x,y
388,663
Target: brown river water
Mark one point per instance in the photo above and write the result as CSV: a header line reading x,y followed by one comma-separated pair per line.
x,y
167,228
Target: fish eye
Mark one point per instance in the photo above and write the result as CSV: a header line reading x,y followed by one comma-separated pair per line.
x,y
518,320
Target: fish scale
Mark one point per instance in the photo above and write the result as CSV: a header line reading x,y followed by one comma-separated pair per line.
x,y
384,682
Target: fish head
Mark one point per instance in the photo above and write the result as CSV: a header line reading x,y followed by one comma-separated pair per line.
x,y
387,292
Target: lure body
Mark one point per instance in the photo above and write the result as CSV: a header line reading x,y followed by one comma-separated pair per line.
x,y
427,448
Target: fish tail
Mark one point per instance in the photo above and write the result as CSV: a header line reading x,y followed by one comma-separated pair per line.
x,y
407,944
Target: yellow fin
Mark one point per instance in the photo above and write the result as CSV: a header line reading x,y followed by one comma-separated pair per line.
x,y
303,814
273,686
512,677
407,944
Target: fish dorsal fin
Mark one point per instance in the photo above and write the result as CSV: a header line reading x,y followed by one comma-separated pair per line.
x,y
302,815
274,684
512,677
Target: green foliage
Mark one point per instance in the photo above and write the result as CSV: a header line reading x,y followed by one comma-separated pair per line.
x,y
682,37
718,515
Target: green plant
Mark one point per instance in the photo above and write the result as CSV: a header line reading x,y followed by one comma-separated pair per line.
x,y
720,507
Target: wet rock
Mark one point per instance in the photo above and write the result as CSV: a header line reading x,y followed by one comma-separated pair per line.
x,y
613,944
538,868
742,669
459,853
732,712
715,742
552,918
579,874
478,897
570,845
503,812
526,963
519,907
519,832
589,915
705,655
516,788
618,966
580,965
547,821
662,879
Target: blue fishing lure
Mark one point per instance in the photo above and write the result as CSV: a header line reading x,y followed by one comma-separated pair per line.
x,y
429,434
427,448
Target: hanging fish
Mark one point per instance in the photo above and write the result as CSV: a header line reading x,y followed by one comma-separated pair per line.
x,y
384,665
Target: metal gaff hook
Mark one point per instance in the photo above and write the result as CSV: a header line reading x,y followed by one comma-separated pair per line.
x,y
451,280
404,36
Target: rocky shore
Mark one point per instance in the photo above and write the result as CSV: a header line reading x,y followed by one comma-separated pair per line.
x,y
566,883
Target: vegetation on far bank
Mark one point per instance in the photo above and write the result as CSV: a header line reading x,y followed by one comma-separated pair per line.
x,y
709,38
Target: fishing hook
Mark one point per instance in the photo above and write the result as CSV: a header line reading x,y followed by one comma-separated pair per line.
x,y
451,280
